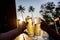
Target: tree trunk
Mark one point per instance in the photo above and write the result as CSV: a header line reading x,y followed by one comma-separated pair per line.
x,y
32,16
22,16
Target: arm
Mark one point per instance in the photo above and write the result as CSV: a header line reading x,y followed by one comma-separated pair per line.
x,y
51,32
10,35
13,33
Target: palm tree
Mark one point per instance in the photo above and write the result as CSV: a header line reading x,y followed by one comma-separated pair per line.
x,y
21,9
31,9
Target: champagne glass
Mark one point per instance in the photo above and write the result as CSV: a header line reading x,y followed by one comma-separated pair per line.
x,y
30,27
37,28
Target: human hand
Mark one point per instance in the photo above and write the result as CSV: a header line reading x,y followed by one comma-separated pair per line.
x,y
56,19
44,26
22,25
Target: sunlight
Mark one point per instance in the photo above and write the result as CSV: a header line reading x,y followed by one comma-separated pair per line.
x,y
21,19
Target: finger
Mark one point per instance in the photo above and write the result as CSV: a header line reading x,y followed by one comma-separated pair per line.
x,y
26,23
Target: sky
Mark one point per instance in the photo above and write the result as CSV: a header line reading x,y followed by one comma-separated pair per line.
x,y
35,3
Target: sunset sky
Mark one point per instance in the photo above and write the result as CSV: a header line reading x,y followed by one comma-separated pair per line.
x,y
35,3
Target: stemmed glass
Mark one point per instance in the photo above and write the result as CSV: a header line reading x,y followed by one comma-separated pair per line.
x,y
37,23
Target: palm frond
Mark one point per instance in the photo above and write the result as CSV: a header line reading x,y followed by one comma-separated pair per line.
x,y
31,9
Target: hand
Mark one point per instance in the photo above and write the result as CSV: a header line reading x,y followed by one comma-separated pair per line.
x,y
44,26
56,19
22,25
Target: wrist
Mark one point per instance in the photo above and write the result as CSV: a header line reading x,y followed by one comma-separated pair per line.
x,y
20,30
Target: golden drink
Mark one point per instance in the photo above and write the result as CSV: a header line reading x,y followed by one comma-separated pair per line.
x,y
30,27
37,30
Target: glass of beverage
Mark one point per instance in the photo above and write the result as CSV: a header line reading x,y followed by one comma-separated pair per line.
x,y
33,27
37,26
30,27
